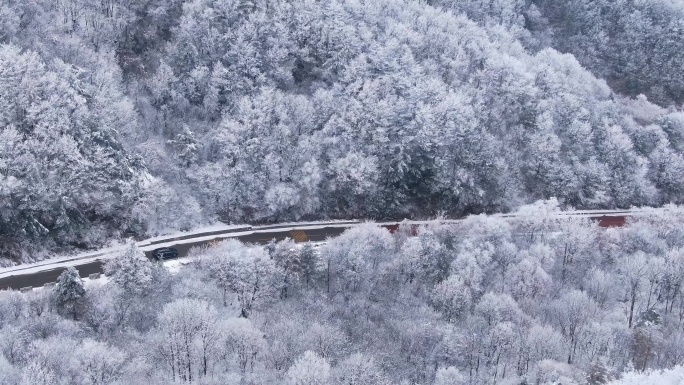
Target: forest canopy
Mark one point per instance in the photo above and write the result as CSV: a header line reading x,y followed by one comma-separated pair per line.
x,y
126,119
541,299
130,118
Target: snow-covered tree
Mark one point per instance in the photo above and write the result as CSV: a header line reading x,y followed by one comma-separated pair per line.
x,y
131,271
244,341
249,272
571,313
69,291
358,369
450,375
187,339
309,261
353,259
309,369
101,364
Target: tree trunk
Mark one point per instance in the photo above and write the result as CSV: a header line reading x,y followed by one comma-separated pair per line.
x,y
631,305
328,277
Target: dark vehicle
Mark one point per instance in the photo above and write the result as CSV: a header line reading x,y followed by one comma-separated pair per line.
x,y
165,253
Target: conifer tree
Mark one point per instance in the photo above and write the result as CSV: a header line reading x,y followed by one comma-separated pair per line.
x,y
69,291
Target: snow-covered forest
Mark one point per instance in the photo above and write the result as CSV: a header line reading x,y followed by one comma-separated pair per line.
x,y
123,118
537,301
126,119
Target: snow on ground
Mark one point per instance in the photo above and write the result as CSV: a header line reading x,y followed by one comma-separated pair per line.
x,y
174,265
103,279
91,256
32,269
64,261
207,229
221,237
145,245
305,226
221,231
227,231
674,376
119,246
312,223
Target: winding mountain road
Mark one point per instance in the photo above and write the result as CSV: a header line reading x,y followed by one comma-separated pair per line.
x,y
40,278
25,276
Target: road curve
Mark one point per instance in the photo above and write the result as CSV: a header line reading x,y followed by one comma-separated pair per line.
x,y
605,218
37,279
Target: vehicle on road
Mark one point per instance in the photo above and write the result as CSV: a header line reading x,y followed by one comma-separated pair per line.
x,y
165,253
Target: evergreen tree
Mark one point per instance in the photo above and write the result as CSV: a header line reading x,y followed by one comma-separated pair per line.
x,y
186,146
69,291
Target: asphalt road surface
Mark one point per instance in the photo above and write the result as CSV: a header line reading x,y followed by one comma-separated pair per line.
x,y
39,279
